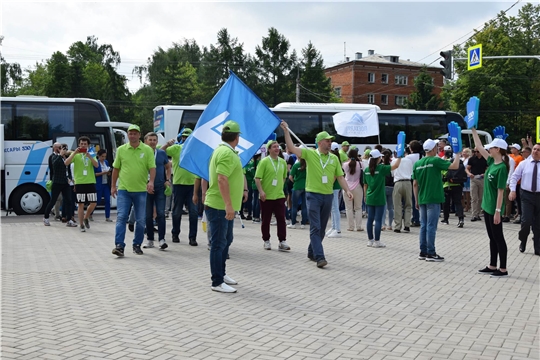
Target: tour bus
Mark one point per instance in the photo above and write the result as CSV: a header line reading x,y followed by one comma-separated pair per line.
x,y
30,125
308,119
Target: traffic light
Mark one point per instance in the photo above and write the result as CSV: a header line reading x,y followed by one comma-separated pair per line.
x,y
446,64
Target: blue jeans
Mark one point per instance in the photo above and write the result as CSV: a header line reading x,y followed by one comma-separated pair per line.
x,y
336,216
298,195
429,218
183,195
319,207
256,205
415,213
375,213
104,191
123,204
221,237
158,199
389,205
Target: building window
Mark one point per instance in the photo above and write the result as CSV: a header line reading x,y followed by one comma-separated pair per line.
x,y
401,80
371,77
400,100
337,91
384,78
371,99
384,99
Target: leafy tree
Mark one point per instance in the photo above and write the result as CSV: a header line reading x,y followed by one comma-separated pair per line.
x,y
314,85
508,88
59,76
10,75
179,85
275,66
423,97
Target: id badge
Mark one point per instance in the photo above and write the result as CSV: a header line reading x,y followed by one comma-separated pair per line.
x,y
84,172
325,179
274,182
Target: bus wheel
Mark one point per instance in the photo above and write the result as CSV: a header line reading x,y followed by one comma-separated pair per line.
x,y
28,200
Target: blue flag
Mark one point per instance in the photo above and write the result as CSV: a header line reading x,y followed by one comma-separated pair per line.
x,y
473,106
400,149
234,101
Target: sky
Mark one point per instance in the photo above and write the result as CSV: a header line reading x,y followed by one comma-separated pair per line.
x,y
415,31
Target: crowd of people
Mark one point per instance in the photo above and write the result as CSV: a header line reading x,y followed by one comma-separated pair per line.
x,y
496,182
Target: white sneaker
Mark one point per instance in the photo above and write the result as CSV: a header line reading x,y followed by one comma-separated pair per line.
x,y
273,223
267,245
229,280
334,234
302,226
149,244
291,226
70,223
378,244
329,232
283,246
224,288
370,243
288,222
46,222
162,244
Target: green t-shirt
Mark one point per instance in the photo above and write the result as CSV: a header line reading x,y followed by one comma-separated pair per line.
x,y
343,156
83,165
299,177
376,191
133,165
180,175
494,178
249,169
225,161
428,173
272,174
322,171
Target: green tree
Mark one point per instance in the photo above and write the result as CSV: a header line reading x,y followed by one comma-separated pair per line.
x,y
179,85
314,85
59,76
10,75
275,65
508,88
423,97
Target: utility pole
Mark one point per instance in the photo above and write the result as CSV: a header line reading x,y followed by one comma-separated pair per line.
x,y
298,84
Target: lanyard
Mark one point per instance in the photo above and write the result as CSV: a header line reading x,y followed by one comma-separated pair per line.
x,y
85,160
320,159
275,168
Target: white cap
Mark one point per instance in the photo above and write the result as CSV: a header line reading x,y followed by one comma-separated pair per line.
x,y
429,144
500,143
516,146
447,147
335,146
375,154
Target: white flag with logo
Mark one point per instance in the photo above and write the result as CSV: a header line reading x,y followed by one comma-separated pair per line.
x,y
361,123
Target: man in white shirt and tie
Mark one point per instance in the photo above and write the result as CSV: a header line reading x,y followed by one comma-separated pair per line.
x,y
528,171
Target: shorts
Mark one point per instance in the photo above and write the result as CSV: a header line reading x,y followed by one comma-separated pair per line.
x,y
86,193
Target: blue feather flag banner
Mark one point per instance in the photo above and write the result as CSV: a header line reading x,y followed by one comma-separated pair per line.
x,y
400,149
473,105
454,136
234,101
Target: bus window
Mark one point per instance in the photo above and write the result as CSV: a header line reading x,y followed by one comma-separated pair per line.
x,y
389,127
7,121
190,118
423,127
87,115
39,121
305,125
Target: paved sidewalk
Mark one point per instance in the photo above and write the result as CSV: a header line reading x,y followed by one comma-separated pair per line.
x,y
65,296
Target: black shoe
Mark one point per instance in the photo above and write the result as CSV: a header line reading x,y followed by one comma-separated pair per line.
x,y
460,223
499,273
486,270
131,227
249,217
518,221
422,256
184,212
505,219
321,263
443,221
137,249
522,246
397,230
415,224
118,251
434,257
475,218
242,216
193,242
310,257
406,229
175,239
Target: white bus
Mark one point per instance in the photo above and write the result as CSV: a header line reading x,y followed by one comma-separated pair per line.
x,y
306,120
30,125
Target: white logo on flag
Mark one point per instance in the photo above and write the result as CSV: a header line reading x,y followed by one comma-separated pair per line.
x,y
210,133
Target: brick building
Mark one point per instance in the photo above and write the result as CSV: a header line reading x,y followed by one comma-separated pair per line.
x,y
377,79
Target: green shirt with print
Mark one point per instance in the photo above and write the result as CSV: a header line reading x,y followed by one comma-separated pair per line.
x,y
134,164
343,156
225,161
321,166
180,175
428,173
272,174
495,178
250,172
83,170
376,191
299,176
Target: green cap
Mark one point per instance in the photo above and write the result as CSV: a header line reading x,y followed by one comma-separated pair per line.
x,y
367,152
134,127
231,127
187,132
270,144
345,143
323,135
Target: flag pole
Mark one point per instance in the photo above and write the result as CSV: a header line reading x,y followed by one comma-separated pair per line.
x,y
297,138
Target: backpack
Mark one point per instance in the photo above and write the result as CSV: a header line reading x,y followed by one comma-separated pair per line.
x,y
457,176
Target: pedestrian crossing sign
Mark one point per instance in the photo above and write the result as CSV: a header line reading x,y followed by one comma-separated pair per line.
x,y
474,58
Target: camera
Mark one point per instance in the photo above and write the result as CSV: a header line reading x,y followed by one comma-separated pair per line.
x,y
64,148
81,150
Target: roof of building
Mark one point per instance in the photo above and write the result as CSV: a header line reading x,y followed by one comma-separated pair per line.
x,y
385,59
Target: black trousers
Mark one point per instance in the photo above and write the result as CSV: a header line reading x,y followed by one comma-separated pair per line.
x,y
454,194
65,189
497,244
530,217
